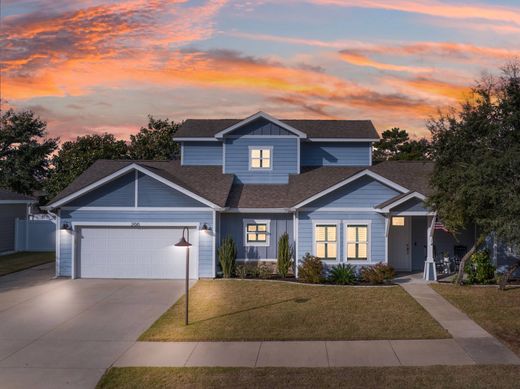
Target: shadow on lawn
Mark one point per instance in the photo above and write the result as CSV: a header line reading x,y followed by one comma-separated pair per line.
x,y
297,300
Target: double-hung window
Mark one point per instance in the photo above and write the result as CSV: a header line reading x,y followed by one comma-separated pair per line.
x,y
326,244
256,232
260,158
357,242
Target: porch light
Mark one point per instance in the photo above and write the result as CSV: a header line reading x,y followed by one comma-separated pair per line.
x,y
184,242
66,227
205,228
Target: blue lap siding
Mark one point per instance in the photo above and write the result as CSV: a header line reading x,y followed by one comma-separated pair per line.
x,y
119,192
152,193
336,153
202,153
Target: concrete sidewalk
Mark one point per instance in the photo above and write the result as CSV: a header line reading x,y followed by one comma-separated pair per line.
x,y
479,344
297,353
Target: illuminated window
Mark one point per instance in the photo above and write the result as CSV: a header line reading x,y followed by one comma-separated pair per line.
x,y
326,241
398,221
256,232
260,158
357,242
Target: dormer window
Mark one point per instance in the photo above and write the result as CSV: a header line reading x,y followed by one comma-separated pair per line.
x,y
260,158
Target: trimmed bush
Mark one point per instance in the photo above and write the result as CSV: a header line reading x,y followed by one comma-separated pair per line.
x,y
342,274
311,269
227,254
480,269
377,274
284,255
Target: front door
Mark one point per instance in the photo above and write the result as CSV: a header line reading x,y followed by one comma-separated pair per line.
x,y
399,242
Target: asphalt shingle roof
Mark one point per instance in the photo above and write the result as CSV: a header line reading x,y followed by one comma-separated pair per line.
x,y
6,195
360,129
210,183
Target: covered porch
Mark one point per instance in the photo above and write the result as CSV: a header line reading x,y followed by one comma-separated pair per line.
x,y
416,241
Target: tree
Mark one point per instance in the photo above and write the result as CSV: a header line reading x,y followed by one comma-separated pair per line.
x,y
24,151
74,157
395,144
155,141
476,178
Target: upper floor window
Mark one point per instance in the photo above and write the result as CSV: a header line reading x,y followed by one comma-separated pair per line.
x,y
260,158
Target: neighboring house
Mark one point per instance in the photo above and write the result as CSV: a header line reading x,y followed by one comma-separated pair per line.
x,y
253,180
12,206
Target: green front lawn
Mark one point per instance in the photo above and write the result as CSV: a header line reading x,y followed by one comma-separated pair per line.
x,y
347,377
495,310
24,260
232,310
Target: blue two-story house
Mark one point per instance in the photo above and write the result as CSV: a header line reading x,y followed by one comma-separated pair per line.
x,y
252,179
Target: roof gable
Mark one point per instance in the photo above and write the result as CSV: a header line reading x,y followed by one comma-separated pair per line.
x,y
279,126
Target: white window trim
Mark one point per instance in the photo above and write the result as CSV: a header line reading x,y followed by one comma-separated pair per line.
x,y
267,243
337,223
368,223
261,169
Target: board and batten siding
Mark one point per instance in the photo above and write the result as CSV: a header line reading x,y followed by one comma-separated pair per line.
x,y
365,192
232,224
284,159
336,153
78,216
260,126
152,193
377,232
119,192
202,153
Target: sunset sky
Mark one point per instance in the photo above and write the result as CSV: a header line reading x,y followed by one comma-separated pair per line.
x,y
90,66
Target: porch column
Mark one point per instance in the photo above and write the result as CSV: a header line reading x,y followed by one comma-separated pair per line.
x,y
430,273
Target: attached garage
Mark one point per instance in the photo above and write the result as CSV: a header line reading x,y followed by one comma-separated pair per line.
x,y
134,252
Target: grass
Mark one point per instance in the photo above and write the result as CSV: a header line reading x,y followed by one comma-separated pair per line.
x,y
495,310
236,310
348,377
19,261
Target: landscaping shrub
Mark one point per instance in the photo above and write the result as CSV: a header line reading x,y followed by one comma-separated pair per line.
x,y
241,271
264,271
343,274
310,269
284,255
227,254
480,269
377,274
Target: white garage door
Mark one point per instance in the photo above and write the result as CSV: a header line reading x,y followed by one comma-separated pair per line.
x,y
118,252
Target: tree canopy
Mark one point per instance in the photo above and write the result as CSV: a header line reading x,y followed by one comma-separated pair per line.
x,y
155,141
74,157
24,151
395,144
476,148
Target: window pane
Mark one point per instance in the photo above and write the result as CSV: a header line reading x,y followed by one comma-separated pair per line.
x,y
262,227
262,237
266,163
351,234
255,153
351,250
331,233
331,248
255,163
251,227
251,237
398,221
362,234
266,153
362,251
320,233
320,250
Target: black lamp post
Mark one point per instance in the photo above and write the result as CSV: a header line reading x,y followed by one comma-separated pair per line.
x,y
185,243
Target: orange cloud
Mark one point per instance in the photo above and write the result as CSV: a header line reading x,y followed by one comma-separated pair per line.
x,y
362,60
431,88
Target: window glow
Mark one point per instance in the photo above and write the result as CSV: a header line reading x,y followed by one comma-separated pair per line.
x,y
260,158
256,233
398,221
357,242
326,245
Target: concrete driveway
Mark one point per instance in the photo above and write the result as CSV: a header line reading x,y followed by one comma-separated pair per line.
x,y
65,333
